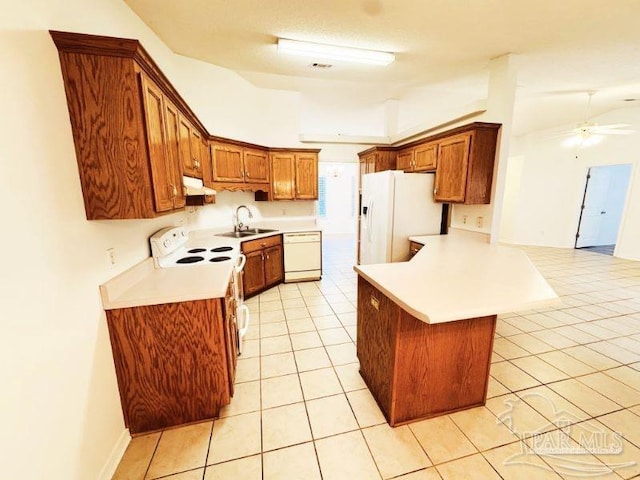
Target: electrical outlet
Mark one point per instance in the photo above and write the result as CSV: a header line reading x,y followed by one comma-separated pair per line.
x,y
112,255
464,219
479,222
284,212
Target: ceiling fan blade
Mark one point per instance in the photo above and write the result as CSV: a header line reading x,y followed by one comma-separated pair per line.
x,y
606,131
614,125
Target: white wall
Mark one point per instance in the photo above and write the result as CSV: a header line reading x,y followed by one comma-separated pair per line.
x,y
59,408
552,183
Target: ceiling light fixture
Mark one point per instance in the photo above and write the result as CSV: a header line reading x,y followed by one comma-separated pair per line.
x,y
332,52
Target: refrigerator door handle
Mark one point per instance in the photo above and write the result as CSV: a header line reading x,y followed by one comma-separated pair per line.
x,y
370,221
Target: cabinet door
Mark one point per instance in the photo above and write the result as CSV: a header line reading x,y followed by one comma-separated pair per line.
x,y
256,166
282,176
453,164
425,157
172,142
306,177
161,171
196,152
253,278
227,163
273,266
184,130
404,160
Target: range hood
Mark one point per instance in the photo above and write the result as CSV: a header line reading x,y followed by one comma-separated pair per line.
x,y
195,186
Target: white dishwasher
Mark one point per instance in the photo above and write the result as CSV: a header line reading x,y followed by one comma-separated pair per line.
x,y
302,256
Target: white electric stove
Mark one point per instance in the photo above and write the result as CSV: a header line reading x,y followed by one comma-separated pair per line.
x,y
171,247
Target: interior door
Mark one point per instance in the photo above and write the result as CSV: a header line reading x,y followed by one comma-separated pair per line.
x,y
602,205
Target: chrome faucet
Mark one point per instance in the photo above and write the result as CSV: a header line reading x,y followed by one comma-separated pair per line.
x,y
239,225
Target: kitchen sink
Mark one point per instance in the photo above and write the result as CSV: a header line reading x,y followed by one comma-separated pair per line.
x,y
246,233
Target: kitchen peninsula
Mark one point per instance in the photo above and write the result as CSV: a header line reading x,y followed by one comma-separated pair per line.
x,y
426,326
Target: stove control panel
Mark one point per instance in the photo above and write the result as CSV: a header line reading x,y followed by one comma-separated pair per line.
x,y
167,241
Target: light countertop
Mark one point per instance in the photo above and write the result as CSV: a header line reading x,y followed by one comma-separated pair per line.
x,y
454,277
144,284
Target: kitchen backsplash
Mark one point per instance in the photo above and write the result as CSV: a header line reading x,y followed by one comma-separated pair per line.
x,y
222,213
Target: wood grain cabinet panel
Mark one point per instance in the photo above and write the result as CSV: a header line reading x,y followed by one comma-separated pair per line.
x,y
306,176
451,176
404,160
256,166
417,370
162,171
283,176
425,157
227,163
253,276
190,151
273,265
171,363
172,143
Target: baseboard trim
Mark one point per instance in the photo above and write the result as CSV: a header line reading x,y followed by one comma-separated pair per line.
x,y
115,456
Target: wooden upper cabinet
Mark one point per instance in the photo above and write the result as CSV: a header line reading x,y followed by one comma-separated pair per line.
x,y
463,159
306,176
282,176
451,175
134,138
256,166
425,157
404,160
227,163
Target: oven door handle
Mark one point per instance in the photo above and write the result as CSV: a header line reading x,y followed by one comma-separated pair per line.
x,y
243,324
242,259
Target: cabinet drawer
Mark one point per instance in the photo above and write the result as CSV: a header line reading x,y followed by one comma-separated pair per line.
x,y
253,245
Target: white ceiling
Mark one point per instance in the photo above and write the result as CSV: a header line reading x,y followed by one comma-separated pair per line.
x,y
565,47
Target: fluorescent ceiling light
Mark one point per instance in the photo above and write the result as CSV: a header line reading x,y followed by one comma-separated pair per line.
x,y
332,52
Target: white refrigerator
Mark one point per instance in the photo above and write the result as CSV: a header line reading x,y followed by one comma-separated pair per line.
x,y
396,205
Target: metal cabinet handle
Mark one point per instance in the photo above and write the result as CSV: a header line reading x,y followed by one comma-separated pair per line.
x,y
247,174
435,191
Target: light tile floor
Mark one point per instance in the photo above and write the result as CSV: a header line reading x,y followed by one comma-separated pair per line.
x,y
301,411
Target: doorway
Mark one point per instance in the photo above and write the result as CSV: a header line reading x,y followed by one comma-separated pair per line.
x,y
337,202
602,206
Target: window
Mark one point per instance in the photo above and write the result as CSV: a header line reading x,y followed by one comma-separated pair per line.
x,y
322,196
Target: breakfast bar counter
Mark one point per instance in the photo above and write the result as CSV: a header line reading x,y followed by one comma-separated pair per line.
x,y
426,326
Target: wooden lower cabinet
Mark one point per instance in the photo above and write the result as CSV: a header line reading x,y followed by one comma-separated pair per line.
x,y
414,247
417,370
253,273
265,264
171,362
273,265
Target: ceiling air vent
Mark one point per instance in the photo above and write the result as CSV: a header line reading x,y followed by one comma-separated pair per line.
x,y
320,65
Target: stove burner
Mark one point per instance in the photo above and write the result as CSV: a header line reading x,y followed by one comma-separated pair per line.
x,y
221,249
196,250
219,259
193,259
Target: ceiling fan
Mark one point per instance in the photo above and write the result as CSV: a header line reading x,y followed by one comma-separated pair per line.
x,y
588,133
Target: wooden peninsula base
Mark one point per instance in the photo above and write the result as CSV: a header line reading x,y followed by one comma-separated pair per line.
x,y
417,370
